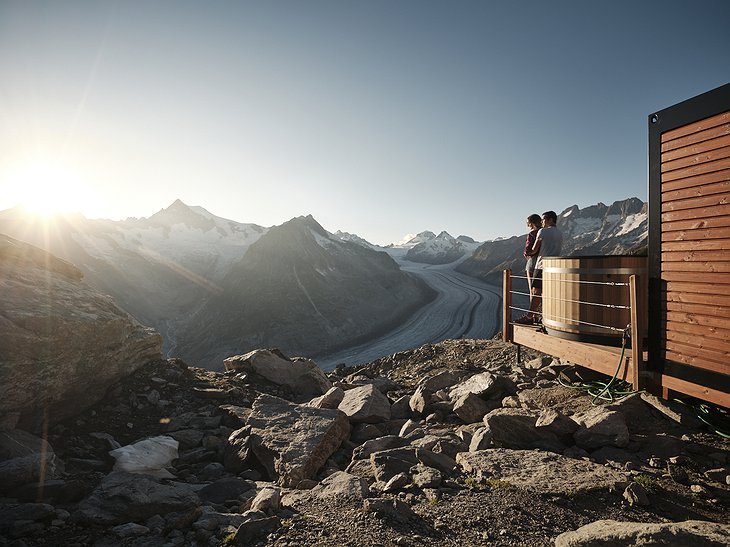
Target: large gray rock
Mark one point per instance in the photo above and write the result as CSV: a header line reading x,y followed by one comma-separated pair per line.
x,y
388,463
25,458
377,445
292,442
536,471
331,399
423,395
600,427
124,497
228,488
62,344
690,533
341,484
485,385
517,428
470,408
302,376
365,404
237,450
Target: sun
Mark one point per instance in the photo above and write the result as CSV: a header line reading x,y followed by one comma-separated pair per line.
x,y
45,189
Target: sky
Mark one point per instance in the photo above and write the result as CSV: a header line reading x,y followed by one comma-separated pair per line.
x,y
379,118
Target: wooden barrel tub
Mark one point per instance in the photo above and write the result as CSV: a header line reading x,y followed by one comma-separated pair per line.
x,y
573,285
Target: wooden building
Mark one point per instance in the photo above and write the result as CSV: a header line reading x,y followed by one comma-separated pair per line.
x,y
688,309
689,246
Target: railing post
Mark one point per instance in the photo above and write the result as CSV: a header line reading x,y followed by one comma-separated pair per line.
x,y
637,315
507,306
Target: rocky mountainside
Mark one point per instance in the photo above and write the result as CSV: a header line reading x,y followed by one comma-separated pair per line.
x,y
61,342
449,444
305,291
620,228
171,270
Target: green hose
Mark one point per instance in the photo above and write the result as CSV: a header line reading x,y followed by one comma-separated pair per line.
x,y
605,391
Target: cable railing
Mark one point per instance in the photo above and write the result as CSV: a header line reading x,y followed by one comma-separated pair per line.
x,y
575,322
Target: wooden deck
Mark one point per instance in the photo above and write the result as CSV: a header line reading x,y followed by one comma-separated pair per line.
x,y
603,359
634,367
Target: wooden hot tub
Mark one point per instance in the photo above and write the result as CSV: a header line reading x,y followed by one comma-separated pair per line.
x,y
572,287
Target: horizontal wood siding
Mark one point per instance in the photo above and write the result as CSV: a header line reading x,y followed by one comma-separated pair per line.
x,y
695,248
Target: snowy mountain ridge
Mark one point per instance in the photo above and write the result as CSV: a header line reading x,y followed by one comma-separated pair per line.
x,y
620,228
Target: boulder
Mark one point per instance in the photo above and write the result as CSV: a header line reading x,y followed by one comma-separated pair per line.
x,y
600,427
364,432
302,376
237,450
561,426
252,530
690,533
388,463
542,472
341,484
62,344
377,445
485,385
148,457
331,399
365,404
400,409
517,428
126,497
292,442
12,515
424,394
470,408
24,459
267,500
426,477
635,494
225,489
481,440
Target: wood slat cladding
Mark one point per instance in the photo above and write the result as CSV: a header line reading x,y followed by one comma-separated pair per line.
x,y
695,244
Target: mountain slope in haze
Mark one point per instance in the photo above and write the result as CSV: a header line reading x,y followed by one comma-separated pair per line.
x,y
620,228
304,291
158,269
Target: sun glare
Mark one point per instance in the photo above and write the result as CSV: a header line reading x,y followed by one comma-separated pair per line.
x,y
45,189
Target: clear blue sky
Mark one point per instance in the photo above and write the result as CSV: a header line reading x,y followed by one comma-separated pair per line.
x,y
377,117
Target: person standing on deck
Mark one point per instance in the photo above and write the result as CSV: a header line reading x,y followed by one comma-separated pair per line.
x,y
534,223
549,242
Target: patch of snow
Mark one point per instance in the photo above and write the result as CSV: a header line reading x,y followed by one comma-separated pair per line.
x,y
326,242
631,223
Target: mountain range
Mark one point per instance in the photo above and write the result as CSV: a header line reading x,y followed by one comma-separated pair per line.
x,y
619,228
214,287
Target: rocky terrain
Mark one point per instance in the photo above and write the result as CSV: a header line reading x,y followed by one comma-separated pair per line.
x,y
448,444
57,333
